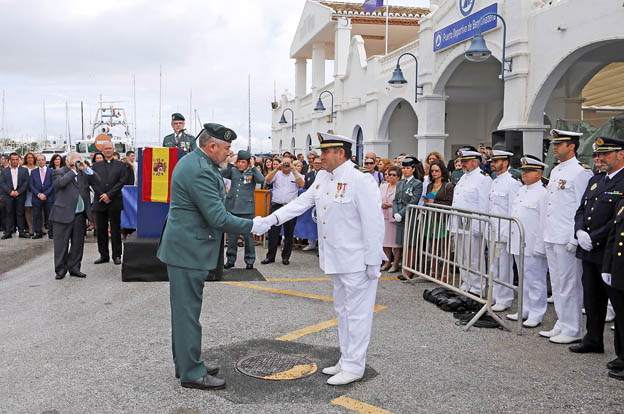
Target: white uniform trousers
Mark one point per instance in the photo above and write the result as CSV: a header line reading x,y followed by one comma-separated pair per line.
x,y
535,291
502,270
567,289
468,254
354,302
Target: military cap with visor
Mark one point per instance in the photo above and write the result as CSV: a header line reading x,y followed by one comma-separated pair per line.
x,y
607,144
499,154
243,155
559,135
468,153
410,162
531,162
327,140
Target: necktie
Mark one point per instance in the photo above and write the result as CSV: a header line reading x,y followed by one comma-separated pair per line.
x,y
80,205
607,179
42,174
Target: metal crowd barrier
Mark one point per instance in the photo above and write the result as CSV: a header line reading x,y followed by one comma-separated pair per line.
x,y
449,246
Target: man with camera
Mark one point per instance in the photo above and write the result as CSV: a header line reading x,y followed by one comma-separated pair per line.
x,y
286,184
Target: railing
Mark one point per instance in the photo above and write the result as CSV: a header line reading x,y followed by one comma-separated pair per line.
x,y
388,62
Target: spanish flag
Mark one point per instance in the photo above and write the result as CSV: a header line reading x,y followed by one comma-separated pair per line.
x,y
158,165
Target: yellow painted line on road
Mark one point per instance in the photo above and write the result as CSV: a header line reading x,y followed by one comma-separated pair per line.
x,y
283,292
295,372
316,327
358,406
311,279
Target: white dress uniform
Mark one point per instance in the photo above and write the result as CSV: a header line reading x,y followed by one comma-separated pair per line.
x,y
568,182
350,237
529,208
471,192
502,194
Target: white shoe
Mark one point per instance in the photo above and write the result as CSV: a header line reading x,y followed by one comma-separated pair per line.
x,y
308,248
550,300
583,311
514,316
565,339
549,334
613,327
343,378
332,370
530,323
610,315
499,307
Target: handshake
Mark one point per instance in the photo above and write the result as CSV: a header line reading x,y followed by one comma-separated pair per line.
x,y
262,224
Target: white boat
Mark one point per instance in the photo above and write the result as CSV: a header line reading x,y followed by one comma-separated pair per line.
x,y
110,125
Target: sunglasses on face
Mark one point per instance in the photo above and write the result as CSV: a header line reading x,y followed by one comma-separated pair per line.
x,y
369,163
436,170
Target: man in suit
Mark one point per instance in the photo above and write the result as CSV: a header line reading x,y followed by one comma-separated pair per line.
x,y
42,190
108,203
593,220
15,181
311,175
240,202
70,211
179,138
192,244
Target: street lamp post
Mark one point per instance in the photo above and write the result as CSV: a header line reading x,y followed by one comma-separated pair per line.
x,y
321,108
398,80
292,117
478,50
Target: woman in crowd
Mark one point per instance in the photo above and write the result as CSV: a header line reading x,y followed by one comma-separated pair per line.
x,y
30,163
298,165
383,164
56,162
267,168
369,164
97,157
408,191
458,172
433,156
390,246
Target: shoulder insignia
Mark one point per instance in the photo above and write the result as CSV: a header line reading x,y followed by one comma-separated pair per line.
x,y
361,169
582,164
593,187
483,172
516,178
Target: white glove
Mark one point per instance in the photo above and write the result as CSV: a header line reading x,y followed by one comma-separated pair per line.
x,y
271,220
607,278
372,271
584,240
260,225
397,217
571,247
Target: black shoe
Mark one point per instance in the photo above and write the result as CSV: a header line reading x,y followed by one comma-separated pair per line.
x,y
586,349
249,267
207,382
117,260
60,275
616,365
77,274
285,261
618,375
24,236
101,260
6,236
37,236
228,265
211,370
267,261
50,236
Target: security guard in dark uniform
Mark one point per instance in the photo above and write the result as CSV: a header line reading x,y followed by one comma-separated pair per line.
x,y
592,223
240,202
179,138
191,246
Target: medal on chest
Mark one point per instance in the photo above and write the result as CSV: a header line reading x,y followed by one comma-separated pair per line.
x,y
562,184
340,190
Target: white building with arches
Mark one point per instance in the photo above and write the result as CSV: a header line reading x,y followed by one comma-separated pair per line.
x,y
556,48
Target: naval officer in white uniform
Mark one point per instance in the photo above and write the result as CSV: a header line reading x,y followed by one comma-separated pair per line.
x,y
502,193
471,193
350,241
529,208
566,187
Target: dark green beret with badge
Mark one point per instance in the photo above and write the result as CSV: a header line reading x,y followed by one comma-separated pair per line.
x,y
177,117
219,131
244,155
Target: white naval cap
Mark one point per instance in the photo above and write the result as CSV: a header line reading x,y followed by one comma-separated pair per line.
x,y
530,162
501,154
328,140
561,136
468,153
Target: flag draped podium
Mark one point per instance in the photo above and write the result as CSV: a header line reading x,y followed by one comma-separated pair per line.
x,y
158,165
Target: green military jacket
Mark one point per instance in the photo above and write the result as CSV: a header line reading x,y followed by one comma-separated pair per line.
x,y
186,144
240,198
197,217
406,193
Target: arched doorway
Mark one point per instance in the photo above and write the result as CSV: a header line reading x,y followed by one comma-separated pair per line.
x,y
399,125
358,136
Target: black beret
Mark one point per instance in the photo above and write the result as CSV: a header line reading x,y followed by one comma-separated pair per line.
x,y
220,132
177,117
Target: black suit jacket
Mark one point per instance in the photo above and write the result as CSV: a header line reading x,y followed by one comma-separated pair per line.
x,y
66,190
614,252
309,179
596,212
112,179
23,179
37,187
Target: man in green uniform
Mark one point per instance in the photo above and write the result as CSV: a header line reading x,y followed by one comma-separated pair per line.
x,y
192,244
240,202
179,138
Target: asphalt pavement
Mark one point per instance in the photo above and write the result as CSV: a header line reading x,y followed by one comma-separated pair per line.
x,y
98,345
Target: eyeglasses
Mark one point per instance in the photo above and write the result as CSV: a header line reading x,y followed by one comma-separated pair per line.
x,y
369,163
392,175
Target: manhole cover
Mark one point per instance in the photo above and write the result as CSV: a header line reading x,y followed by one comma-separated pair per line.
x,y
277,367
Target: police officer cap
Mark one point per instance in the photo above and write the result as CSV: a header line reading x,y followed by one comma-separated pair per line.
x,y
607,144
498,154
177,117
559,135
244,155
218,131
410,162
468,153
328,140
531,162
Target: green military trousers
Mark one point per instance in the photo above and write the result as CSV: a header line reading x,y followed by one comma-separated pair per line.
x,y
186,287
250,248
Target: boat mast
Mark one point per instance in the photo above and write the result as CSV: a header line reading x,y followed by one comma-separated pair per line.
x,y
45,128
134,111
160,104
67,124
249,110
3,134
82,120
191,111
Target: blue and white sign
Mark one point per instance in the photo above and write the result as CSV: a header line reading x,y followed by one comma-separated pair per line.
x,y
465,28
466,6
